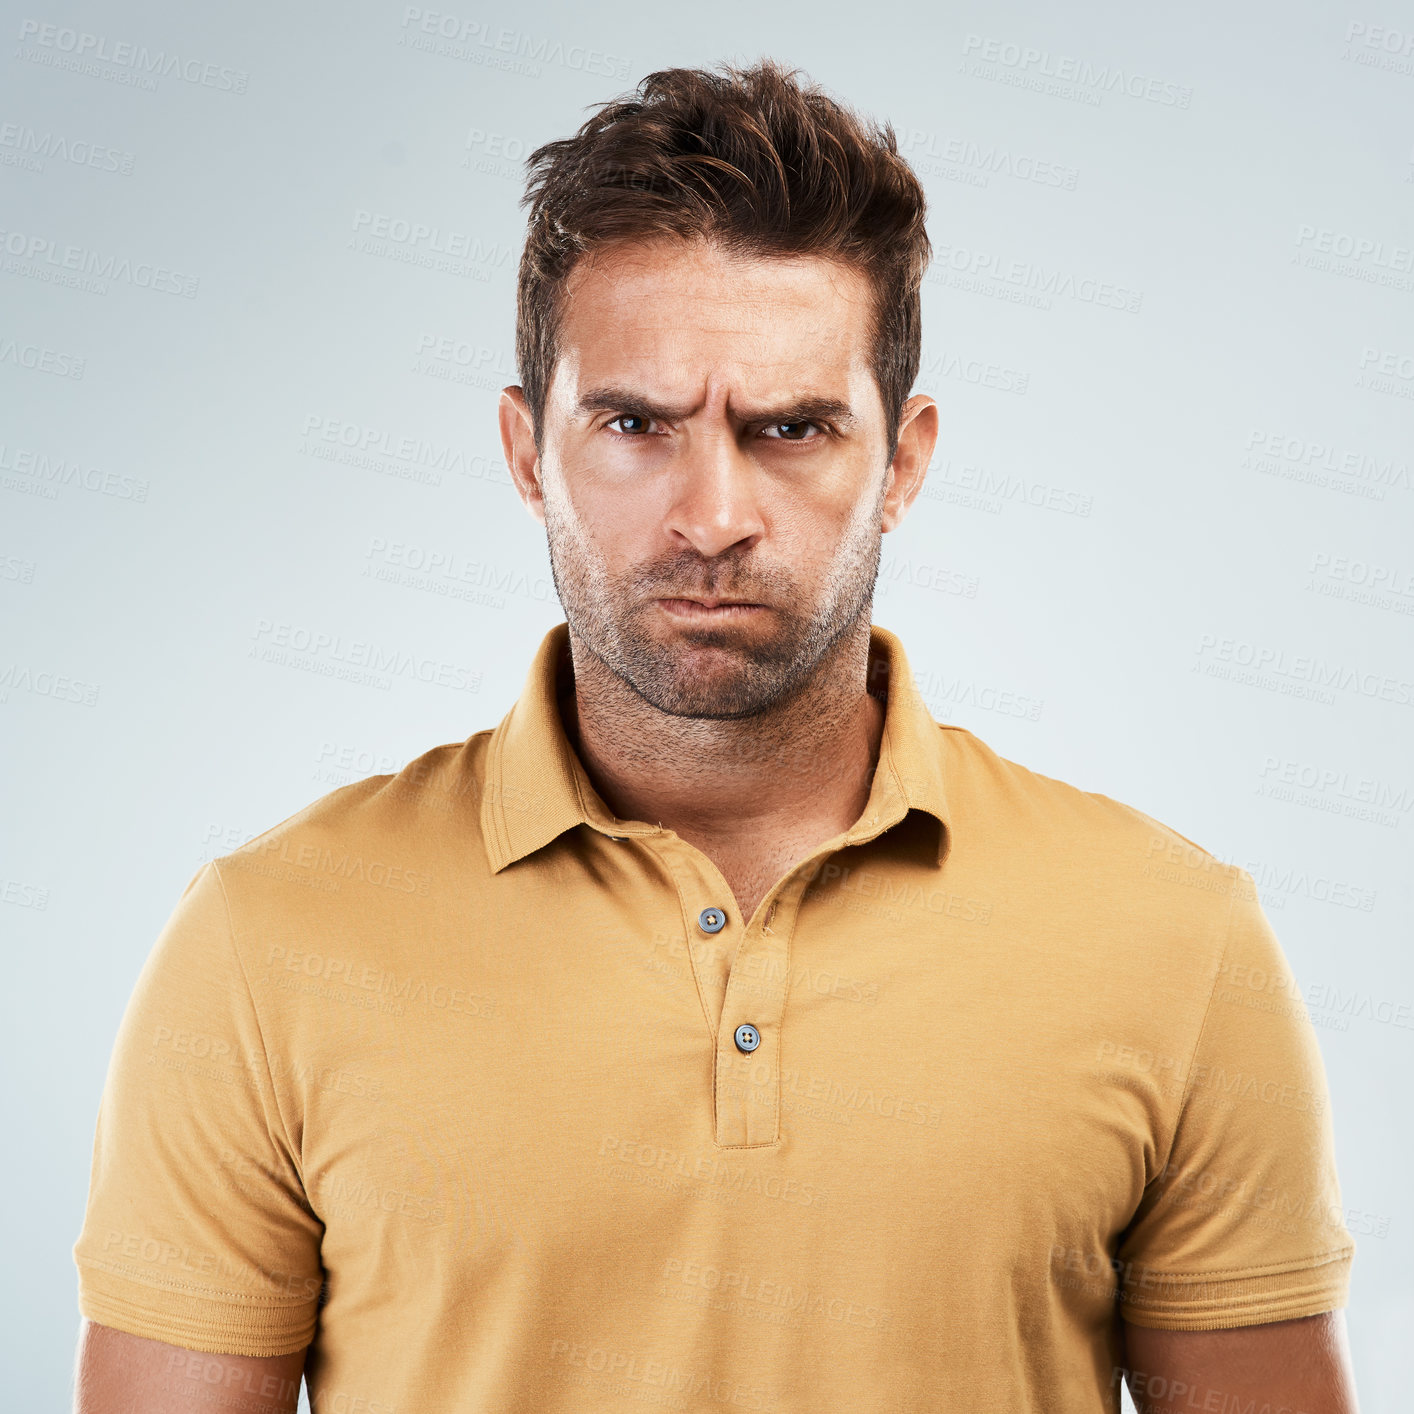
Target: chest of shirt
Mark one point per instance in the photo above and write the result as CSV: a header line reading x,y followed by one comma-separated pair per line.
x,y
475,1075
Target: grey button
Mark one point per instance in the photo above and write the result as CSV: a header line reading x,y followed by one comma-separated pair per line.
x,y
747,1038
711,920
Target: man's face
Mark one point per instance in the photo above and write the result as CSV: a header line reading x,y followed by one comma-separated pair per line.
x,y
714,432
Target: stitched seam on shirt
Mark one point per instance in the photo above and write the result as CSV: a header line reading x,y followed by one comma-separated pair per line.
x,y
785,1002
579,794
696,980
261,1300
886,749
1202,1026
1298,1265
496,769
260,1031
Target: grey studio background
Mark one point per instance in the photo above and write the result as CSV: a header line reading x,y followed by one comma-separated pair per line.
x,y
257,539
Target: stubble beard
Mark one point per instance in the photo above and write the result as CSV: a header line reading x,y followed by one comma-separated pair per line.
x,y
717,672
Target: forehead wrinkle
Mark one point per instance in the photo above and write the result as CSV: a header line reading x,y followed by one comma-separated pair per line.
x,y
790,381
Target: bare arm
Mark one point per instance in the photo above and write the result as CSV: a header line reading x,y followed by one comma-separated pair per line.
x,y
118,1373
1289,1367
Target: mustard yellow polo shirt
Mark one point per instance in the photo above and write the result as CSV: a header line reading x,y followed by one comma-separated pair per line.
x,y
498,1101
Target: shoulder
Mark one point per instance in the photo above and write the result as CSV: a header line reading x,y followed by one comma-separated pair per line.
x,y
1075,838
1026,794
390,832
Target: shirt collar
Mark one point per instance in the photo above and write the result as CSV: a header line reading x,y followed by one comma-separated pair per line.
x,y
537,788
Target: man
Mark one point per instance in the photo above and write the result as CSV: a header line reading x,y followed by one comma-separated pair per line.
x,y
719,1030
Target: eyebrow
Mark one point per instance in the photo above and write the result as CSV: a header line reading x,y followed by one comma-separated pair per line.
x,y
629,403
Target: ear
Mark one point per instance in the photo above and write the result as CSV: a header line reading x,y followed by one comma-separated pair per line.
x,y
917,436
522,455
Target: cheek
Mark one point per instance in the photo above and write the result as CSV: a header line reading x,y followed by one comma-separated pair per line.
x,y
607,527
813,535
615,514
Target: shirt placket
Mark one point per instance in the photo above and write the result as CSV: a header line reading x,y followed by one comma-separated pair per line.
x,y
747,1033
747,1074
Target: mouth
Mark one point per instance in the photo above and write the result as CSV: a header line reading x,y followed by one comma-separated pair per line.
x,y
710,609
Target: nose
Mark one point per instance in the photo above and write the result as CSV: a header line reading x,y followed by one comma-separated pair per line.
x,y
717,493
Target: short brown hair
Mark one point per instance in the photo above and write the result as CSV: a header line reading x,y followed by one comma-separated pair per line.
x,y
750,159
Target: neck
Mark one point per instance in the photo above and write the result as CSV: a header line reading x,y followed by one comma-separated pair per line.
x,y
810,759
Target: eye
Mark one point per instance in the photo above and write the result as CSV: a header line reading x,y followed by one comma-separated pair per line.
x,y
642,424
792,431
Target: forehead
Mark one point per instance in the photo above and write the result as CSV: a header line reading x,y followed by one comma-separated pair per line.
x,y
680,313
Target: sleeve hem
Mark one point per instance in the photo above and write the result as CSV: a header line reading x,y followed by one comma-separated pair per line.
x,y
194,1322
1220,1301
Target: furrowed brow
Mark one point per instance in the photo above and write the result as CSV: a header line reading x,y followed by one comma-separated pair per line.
x,y
834,410
624,400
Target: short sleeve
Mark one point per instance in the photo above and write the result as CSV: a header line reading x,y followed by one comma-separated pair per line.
x,y
1244,1224
197,1230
